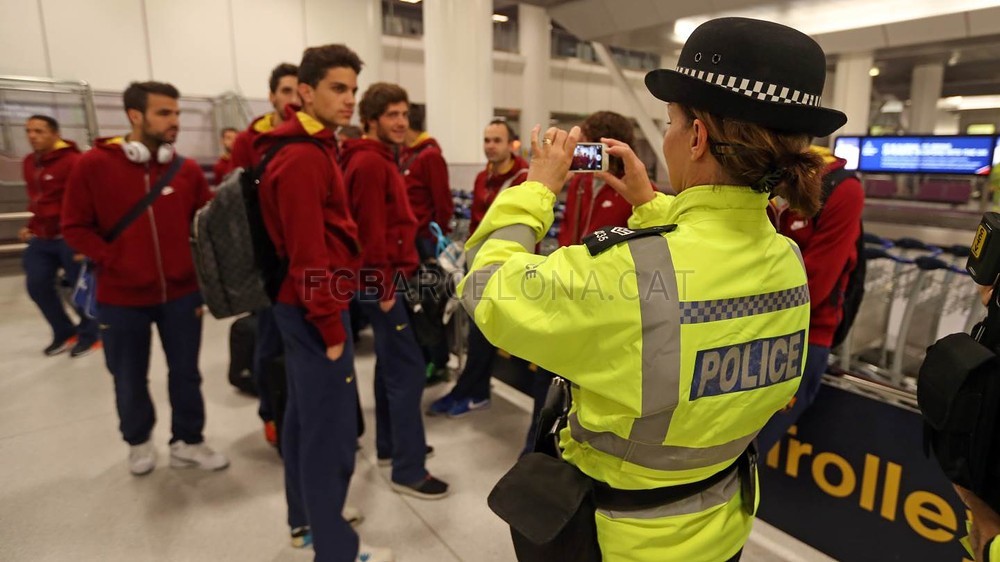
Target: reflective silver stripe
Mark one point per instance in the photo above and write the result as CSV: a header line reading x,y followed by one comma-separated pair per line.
x,y
719,494
520,233
475,286
661,337
658,457
798,252
697,312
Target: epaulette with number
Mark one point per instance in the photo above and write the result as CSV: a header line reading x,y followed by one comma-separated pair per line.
x,y
602,239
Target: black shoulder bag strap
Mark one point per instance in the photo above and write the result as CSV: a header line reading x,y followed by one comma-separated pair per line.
x,y
145,202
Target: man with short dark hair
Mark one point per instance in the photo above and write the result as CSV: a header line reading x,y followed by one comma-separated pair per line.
x,y
283,95
145,276
504,168
225,163
45,172
307,215
284,98
386,228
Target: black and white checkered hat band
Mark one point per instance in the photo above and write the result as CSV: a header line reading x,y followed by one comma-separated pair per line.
x,y
754,88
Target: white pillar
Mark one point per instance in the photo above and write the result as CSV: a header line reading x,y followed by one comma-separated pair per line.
x,y
852,91
458,65
925,90
355,23
535,45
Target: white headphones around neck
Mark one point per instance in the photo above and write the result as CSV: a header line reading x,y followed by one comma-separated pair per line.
x,y
137,152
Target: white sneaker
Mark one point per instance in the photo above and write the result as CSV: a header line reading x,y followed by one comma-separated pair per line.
x,y
185,455
352,515
368,553
142,458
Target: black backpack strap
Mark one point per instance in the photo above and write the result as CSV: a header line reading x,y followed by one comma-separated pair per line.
x,y
405,164
145,202
259,170
830,183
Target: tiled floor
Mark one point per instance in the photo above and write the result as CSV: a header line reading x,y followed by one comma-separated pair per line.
x,y
65,491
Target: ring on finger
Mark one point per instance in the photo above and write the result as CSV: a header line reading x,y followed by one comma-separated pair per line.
x,y
546,140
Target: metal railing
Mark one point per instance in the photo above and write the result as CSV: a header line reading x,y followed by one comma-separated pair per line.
x,y
230,110
12,85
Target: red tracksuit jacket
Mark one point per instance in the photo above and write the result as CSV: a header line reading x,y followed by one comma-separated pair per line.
x,y
307,215
427,187
828,244
587,212
488,186
245,154
46,177
150,262
222,167
386,225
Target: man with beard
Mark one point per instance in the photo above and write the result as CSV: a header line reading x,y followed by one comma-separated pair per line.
x,y
145,275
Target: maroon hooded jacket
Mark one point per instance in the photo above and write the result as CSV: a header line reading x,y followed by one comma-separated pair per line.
x,y
307,215
386,225
488,186
45,176
426,175
150,262
245,153
587,212
829,248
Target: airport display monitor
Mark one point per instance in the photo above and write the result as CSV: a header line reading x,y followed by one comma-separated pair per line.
x,y
848,148
960,155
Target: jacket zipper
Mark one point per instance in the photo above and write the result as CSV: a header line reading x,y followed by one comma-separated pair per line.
x,y
156,244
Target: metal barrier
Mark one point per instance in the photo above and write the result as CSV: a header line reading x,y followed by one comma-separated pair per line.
x,y
230,110
10,86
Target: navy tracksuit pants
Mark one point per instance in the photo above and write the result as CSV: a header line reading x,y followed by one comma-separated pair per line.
x,y
812,378
267,346
42,260
319,437
127,335
399,386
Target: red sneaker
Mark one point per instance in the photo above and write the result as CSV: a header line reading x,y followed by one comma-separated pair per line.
x,y
271,433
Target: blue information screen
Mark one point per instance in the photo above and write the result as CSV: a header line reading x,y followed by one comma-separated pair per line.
x,y
966,155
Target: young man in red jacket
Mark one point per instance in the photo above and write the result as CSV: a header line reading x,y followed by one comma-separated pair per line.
x,y
146,275
224,164
307,214
426,174
45,172
386,228
504,169
590,202
283,85
284,98
828,243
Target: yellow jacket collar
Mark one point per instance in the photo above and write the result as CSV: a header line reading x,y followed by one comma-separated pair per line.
x,y
825,152
60,144
311,125
265,124
420,138
714,198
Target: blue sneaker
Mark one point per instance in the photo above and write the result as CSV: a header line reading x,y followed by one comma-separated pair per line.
x,y
466,405
441,406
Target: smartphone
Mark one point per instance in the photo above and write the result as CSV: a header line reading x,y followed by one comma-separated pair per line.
x,y
590,157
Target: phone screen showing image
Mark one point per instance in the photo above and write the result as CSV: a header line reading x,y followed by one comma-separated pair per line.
x,y
589,157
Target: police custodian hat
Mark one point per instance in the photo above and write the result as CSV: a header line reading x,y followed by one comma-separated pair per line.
x,y
751,70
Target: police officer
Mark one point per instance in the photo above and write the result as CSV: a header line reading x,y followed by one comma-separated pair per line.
x,y
682,334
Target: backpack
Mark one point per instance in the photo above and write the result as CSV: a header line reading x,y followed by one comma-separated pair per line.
x,y
238,267
958,391
854,291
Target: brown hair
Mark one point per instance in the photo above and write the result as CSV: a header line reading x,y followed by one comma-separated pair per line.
x,y
608,124
377,98
768,161
317,61
136,96
279,72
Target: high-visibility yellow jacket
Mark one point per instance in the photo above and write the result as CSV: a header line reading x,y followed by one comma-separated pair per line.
x,y
680,347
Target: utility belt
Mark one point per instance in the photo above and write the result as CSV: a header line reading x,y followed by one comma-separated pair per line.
x,y
550,504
